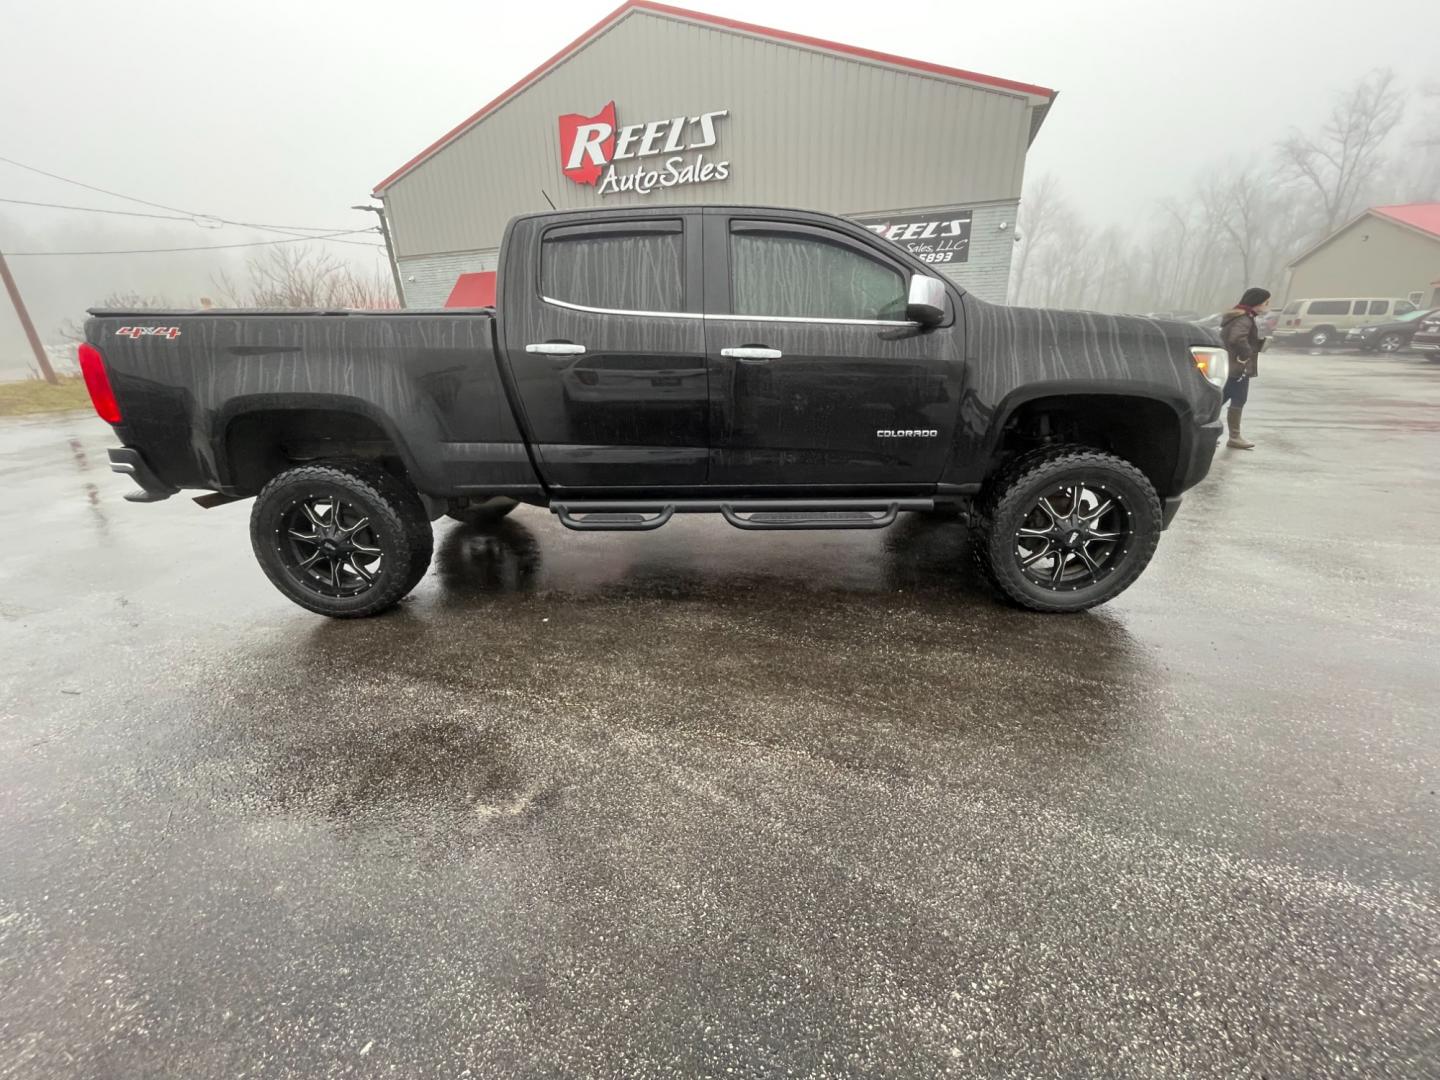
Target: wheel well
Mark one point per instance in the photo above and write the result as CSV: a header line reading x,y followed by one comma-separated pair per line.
x,y
1142,431
260,445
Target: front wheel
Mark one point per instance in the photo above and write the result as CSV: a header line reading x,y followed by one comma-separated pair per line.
x,y
344,540
1068,528
1391,343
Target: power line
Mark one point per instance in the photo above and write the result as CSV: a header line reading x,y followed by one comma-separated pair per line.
x,y
98,210
92,187
205,247
284,229
177,217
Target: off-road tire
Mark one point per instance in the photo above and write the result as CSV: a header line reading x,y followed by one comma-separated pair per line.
x,y
397,517
1011,494
417,518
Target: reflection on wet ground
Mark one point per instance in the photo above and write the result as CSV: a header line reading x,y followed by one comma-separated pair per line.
x,y
697,800
481,559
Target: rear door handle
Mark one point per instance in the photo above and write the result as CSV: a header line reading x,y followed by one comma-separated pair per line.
x,y
752,354
555,348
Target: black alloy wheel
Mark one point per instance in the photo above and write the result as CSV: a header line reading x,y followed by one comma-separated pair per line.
x,y
330,547
1064,528
342,539
1076,534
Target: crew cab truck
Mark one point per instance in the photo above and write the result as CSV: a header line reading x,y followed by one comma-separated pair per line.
x,y
784,369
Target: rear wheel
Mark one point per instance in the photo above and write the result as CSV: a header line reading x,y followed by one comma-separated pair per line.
x,y
342,539
1066,528
1321,336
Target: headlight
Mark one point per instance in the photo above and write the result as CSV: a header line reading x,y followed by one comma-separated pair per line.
x,y
1212,362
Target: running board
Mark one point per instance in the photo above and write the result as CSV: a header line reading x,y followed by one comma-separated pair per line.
x,y
756,514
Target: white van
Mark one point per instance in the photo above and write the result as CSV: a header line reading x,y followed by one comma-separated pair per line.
x,y
1324,322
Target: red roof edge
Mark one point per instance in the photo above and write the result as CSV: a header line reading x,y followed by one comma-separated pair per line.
x,y
1422,216
724,23
836,46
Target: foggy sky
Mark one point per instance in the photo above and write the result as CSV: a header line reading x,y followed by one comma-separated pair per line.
x,y
288,112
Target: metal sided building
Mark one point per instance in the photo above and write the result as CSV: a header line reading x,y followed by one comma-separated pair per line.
x,y
1391,251
656,104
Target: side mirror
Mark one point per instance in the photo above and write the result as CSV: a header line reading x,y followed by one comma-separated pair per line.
x,y
927,303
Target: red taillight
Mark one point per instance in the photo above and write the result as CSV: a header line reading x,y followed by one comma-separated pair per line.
x,y
92,366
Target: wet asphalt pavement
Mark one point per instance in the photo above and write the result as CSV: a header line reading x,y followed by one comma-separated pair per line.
x,y
700,802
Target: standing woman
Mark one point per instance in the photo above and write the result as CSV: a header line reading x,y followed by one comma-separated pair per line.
x,y
1241,338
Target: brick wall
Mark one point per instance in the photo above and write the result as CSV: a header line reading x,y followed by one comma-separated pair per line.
x,y
987,272
428,279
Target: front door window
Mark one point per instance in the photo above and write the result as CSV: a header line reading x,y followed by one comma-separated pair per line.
x,y
788,275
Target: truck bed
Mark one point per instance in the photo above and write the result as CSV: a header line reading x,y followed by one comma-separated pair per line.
x,y
187,381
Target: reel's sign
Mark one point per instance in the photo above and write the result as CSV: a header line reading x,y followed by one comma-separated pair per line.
x,y
937,237
591,146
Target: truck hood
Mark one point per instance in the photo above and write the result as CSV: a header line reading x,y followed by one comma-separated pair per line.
x,y
1044,344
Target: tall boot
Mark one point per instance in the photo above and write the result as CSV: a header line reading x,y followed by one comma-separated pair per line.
x,y
1236,440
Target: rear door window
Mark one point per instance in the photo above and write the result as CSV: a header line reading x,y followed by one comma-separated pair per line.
x,y
1329,307
634,266
1292,308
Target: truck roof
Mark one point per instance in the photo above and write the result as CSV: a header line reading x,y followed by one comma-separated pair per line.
x,y
107,313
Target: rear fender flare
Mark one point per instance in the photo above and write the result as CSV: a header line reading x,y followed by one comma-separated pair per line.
x,y
237,408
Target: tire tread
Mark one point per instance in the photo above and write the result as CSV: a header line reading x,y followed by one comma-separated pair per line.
x,y
1003,488
397,501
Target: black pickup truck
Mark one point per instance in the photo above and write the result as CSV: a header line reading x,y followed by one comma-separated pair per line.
x,y
785,369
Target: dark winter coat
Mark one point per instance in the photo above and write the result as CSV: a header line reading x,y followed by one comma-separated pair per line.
x,y
1241,338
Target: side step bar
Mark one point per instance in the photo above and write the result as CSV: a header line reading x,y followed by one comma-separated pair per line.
x,y
756,514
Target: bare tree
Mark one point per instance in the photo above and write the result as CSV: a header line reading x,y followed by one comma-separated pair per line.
x,y
1240,225
304,277
1418,177
372,291
1110,257
1340,162
1260,227
1041,203
1429,133
73,330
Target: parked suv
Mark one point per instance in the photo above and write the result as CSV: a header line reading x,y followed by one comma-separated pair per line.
x,y
1318,323
1426,338
1388,337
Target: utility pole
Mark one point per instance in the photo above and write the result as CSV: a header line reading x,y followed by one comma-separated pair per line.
x,y
379,211
14,290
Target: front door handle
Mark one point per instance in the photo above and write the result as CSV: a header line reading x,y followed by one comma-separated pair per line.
x,y
555,348
752,354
